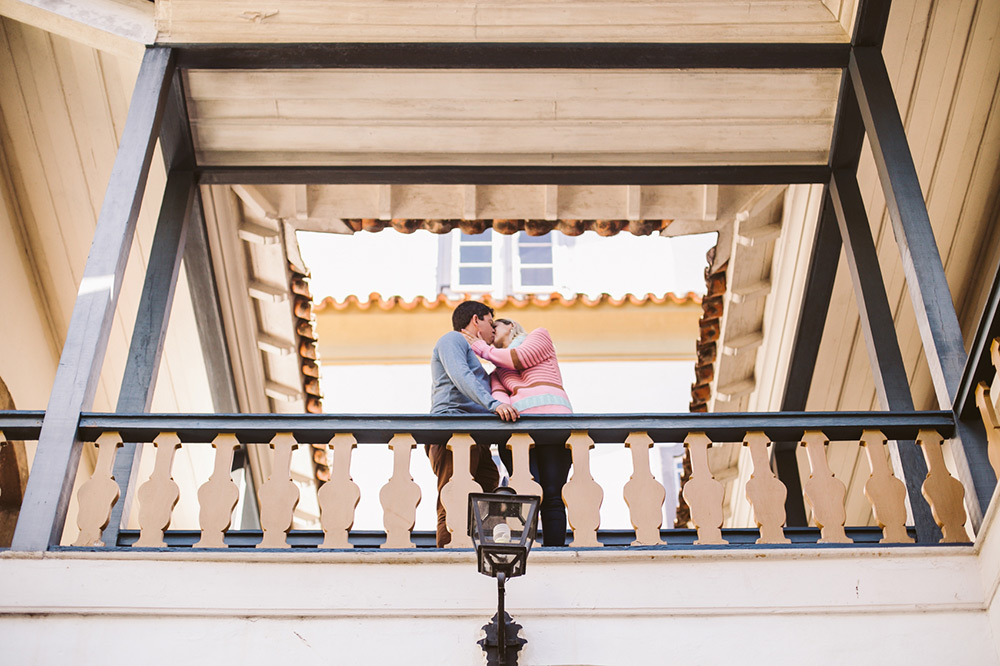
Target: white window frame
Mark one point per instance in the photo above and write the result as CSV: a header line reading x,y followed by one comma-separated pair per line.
x,y
517,266
496,270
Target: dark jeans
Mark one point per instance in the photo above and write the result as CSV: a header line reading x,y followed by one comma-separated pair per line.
x,y
550,467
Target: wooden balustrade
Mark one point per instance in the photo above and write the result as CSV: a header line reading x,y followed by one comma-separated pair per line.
x,y
643,494
988,401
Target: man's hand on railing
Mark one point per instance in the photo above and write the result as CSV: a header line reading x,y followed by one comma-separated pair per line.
x,y
507,413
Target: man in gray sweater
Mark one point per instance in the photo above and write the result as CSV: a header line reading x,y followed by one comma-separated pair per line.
x,y
460,385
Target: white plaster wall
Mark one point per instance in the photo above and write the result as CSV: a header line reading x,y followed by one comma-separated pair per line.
x,y
604,607
988,549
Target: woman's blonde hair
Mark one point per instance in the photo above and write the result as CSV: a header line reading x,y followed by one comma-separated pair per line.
x,y
518,330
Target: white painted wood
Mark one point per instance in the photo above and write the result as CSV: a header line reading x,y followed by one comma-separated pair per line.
x,y
273,345
267,292
282,392
258,233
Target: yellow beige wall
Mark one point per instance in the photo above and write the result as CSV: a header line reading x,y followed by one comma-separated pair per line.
x,y
603,332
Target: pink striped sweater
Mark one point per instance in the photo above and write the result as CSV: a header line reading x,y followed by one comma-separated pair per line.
x,y
527,375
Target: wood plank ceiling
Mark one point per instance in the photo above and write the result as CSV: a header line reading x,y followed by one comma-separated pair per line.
x,y
412,117
189,21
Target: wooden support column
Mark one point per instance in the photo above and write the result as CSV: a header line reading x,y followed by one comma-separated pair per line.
x,y
150,331
812,320
845,152
925,278
43,512
879,329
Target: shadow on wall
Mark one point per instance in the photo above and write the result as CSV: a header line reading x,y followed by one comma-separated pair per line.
x,y
13,476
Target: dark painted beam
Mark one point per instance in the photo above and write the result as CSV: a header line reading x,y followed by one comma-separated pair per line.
x,y
16,425
779,174
162,269
205,300
869,26
43,511
845,153
150,330
805,348
980,366
879,328
925,278
377,429
877,323
937,322
506,55
546,430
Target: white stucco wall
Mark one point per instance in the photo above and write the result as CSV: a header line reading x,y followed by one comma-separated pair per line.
x,y
603,607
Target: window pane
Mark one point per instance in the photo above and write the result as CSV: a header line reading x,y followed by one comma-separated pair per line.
x,y
475,275
485,237
476,254
523,238
536,255
536,277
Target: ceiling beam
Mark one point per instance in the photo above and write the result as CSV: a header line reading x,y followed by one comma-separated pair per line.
x,y
773,174
498,55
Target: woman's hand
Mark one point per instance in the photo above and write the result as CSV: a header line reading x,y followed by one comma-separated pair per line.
x,y
469,337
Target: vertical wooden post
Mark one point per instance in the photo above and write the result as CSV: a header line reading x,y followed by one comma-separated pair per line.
x,y
150,331
43,512
888,371
802,362
925,277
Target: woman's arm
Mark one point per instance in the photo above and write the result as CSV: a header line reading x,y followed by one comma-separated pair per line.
x,y
537,347
499,392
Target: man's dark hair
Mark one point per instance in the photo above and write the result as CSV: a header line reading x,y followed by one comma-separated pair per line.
x,y
466,310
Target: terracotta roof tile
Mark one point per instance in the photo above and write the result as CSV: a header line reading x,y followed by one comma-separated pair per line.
x,y
302,309
537,300
531,227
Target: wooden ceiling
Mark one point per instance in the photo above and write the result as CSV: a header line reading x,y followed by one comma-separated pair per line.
x,y
513,117
188,21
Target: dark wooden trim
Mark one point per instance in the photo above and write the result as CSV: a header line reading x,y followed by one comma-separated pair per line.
x,y
879,328
777,174
932,303
176,142
930,294
21,424
805,348
150,330
869,26
205,300
980,366
510,55
877,323
546,430
43,511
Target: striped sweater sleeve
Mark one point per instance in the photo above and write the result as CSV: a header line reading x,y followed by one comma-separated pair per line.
x,y
498,390
537,347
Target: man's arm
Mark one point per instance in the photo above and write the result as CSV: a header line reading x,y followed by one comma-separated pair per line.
x,y
452,351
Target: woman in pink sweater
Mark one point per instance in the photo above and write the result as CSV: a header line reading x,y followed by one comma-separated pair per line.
x,y
527,377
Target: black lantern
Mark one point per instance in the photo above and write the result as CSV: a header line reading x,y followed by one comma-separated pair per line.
x,y
502,525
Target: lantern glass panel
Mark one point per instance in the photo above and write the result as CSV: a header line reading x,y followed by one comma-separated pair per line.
x,y
502,527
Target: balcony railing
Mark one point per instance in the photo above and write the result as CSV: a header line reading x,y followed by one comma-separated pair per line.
x,y
338,498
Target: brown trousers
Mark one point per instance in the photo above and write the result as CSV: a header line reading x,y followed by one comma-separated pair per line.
x,y
483,470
